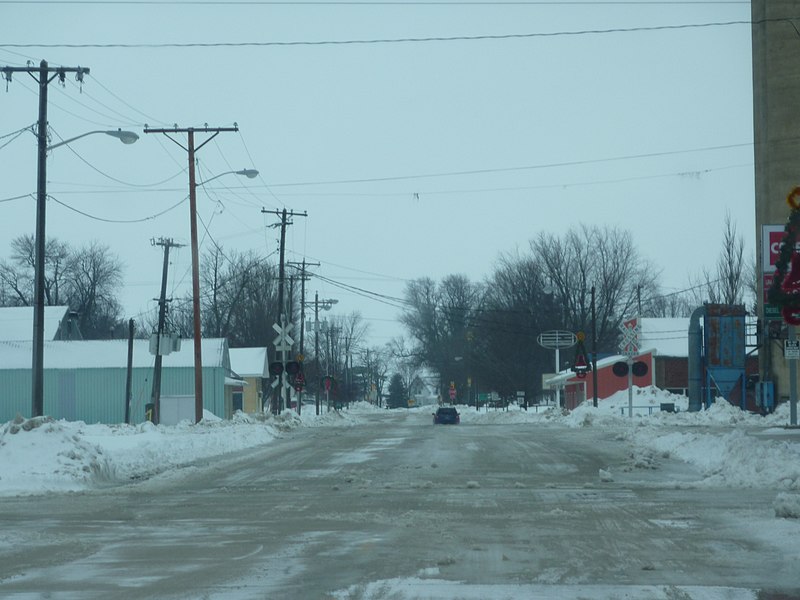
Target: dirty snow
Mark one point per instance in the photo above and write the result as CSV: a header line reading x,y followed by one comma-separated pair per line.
x,y
730,449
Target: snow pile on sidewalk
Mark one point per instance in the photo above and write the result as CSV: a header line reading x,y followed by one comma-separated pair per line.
x,y
41,455
730,447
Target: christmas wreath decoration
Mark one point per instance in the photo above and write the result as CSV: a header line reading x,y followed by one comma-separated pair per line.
x,y
785,289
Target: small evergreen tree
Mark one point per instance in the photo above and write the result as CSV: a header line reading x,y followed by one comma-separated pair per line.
x,y
398,395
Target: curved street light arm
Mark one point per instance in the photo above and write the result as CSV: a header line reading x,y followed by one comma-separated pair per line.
x,y
126,137
249,173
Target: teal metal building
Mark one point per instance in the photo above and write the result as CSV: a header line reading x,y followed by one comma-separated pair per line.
x,y
86,380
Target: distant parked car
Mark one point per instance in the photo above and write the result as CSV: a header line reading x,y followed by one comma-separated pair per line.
x,y
446,415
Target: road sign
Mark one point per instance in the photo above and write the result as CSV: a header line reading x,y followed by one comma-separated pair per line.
x,y
791,349
771,242
630,337
557,339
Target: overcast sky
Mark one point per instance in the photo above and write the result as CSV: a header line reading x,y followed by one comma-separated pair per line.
x,y
449,134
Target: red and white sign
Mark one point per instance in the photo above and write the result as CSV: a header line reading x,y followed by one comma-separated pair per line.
x,y
630,337
771,238
452,393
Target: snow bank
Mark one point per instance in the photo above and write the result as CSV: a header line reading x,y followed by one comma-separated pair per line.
x,y
41,455
729,447
787,506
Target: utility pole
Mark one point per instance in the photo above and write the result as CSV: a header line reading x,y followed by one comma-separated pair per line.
x,y
325,305
155,397
43,75
303,279
594,351
191,149
284,215
129,376
316,348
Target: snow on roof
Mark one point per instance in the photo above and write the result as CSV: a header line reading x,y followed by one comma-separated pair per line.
x,y
568,374
16,322
249,362
95,354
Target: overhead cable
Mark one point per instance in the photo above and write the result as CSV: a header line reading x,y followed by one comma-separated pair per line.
x,y
404,40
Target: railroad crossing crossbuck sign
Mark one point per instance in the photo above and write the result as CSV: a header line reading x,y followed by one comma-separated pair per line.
x,y
630,337
283,343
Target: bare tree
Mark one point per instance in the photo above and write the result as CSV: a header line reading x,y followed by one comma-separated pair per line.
x,y
87,280
516,309
733,280
375,362
404,360
93,277
230,283
344,336
17,275
603,258
440,321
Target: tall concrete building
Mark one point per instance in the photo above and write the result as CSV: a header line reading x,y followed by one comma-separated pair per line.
x,y
776,119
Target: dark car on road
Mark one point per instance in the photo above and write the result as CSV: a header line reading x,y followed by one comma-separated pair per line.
x,y
446,415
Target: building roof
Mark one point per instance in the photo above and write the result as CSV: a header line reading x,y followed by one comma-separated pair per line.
x,y
249,362
99,354
16,322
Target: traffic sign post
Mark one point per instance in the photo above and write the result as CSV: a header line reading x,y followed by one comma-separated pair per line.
x,y
557,340
283,344
630,347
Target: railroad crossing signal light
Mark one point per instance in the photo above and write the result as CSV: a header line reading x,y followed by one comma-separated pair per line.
x,y
638,369
275,368
292,367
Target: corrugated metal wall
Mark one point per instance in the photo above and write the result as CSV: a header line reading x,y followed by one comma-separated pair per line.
x,y
98,395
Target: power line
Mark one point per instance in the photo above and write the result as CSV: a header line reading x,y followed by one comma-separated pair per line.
x,y
133,108
18,131
104,220
120,181
386,3
31,195
16,134
403,40
572,163
419,193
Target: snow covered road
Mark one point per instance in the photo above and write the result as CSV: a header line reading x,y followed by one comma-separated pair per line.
x,y
394,507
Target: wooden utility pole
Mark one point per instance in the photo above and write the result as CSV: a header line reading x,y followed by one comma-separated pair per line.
x,y
191,150
282,319
155,397
43,75
129,376
302,357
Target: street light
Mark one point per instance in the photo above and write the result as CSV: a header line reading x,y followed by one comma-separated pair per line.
x,y
249,173
126,137
37,391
